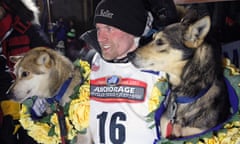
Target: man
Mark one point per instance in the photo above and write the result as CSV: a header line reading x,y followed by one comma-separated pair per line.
x,y
119,91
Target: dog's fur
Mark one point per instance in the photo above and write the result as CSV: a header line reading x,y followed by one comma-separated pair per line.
x,y
193,63
41,72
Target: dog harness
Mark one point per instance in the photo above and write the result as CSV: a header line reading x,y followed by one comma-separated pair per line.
x,y
61,92
59,109
159,112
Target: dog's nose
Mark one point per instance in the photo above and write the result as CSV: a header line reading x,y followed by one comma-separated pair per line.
x,y
9,94
131,56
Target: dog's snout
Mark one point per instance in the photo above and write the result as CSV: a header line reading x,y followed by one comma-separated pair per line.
x,y
131,56
9,94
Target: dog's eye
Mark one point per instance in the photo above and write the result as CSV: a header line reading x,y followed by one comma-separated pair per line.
x,y
25,74
159,42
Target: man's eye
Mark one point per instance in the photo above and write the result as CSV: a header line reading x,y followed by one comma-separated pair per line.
x,y
109,29
25,74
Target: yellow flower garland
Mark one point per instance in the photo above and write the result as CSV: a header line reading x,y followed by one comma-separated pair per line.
x,y
77,118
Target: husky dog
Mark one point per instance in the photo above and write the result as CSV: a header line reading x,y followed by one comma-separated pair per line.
x,y
42,72
198,98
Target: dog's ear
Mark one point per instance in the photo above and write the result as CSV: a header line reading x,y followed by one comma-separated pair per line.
x,y
44,59
15,59
189,17
196,33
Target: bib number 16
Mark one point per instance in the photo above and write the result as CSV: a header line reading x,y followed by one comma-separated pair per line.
x,y
117,131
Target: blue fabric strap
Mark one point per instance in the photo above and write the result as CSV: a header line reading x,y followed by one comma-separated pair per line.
x,y
151,71
233,98
158,114
234,101
187,99
60,94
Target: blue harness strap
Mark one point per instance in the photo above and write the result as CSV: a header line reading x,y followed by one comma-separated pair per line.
x,y
233,98
234,101
151,71
158,114
187,99
60,94
60,111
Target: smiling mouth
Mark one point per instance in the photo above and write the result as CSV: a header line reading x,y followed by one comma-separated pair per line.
x,y
105,47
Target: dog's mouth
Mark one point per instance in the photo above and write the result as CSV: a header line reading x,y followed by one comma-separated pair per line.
x,y
20,100
131,55
138,62
24,99
12,95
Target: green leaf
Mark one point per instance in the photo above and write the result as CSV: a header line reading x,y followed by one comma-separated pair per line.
x,y
73,141
151,126
66,108
29,102
45,119
53,107
83,131
75,93
51,131
76,63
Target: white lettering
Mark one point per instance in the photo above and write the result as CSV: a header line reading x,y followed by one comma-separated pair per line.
x,y
106,13
120,89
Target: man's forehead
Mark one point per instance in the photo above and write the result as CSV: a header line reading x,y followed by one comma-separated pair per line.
x,y
101,25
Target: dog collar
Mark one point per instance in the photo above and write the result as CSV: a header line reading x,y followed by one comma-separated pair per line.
x,y
187,99
60,94
179,99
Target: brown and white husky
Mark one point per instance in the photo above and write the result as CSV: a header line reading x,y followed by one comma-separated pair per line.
x,y
195,72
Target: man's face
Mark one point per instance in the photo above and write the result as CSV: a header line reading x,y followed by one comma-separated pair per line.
x,y
114,43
